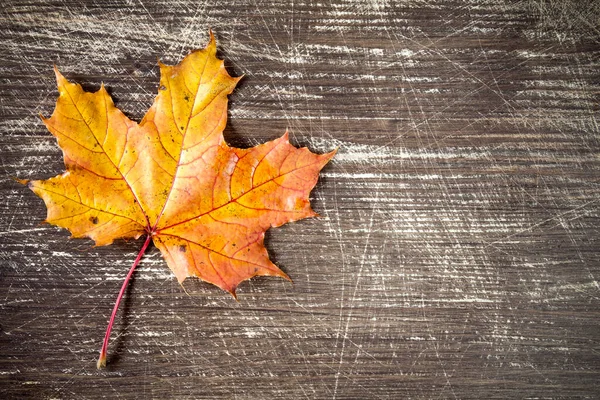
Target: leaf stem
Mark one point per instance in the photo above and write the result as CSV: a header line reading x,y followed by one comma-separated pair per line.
x,y
102,360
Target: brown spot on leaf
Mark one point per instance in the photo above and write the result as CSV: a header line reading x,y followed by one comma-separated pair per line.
x,y
94,220
182,248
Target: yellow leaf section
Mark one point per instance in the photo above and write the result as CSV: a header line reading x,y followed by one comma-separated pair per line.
x,y
188,115
249,191
90,130
88,205
93,198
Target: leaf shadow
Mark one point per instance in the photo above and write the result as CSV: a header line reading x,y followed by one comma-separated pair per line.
x,y
271,250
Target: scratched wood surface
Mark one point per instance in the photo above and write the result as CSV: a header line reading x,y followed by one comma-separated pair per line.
x,y
457,255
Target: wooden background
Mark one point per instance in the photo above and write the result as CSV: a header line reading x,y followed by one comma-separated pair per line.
x,y
458,251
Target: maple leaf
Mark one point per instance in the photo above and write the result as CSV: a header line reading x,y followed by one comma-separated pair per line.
x,y
204,204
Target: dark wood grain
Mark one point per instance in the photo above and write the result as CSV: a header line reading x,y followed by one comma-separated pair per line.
x,y
458,251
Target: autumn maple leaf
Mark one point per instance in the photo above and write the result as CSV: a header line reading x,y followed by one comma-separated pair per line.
x,y
204,204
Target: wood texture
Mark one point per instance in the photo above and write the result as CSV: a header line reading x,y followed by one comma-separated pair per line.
x,y
457,253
